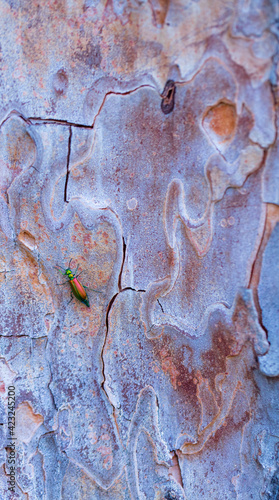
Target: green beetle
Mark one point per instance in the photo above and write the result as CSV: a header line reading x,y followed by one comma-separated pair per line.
x,y
77,288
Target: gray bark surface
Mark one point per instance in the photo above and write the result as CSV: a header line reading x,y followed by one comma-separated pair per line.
x,y
139,141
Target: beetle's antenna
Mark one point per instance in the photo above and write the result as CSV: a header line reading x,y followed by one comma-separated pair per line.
x,y
70,263
57,267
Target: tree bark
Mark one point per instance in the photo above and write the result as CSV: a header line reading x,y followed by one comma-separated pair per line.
x,y
139,148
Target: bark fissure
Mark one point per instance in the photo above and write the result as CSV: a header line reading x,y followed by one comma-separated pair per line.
x,y
36,120
122,264
68,164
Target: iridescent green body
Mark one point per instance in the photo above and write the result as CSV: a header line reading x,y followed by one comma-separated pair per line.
x,y
77,288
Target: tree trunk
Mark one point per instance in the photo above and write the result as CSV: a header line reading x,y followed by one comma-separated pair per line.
x,y
138,144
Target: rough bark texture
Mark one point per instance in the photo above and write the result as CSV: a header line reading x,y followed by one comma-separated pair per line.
x,y
139,139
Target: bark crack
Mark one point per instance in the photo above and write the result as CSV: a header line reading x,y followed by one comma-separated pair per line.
x,y
102,353
109,307
160,306
68,164
36,120
110,304
122,265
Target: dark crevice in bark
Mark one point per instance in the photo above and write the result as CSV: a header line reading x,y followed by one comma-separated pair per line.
x,y
110,304
102,358
160,305
111,92
14,112
109,307
68,164
35,120
122,264
131,288
157,403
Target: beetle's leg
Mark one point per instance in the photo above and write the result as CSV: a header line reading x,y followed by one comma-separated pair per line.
x,y
62,283
79,274
76,271
56,267
71,299
92,289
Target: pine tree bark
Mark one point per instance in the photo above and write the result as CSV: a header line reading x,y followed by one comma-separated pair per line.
x,y
139,155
